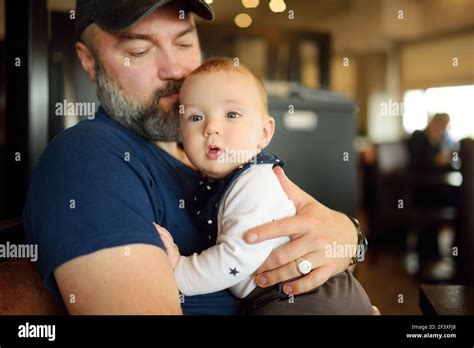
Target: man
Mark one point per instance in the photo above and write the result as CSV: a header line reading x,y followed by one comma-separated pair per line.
x,y
100,185
429,149
431,155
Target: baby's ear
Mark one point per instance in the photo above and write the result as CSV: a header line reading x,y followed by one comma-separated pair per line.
x,y
267,132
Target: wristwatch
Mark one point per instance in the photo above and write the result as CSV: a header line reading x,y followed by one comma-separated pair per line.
x,y
362,243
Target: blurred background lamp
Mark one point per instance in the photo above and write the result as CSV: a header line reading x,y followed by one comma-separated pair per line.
x,y
250,3
243,20
209,1
277,5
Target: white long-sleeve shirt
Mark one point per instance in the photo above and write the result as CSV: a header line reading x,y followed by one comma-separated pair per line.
x,y
255,198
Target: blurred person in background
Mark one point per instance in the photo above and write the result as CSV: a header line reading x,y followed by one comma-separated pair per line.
x,y
430,149
431,154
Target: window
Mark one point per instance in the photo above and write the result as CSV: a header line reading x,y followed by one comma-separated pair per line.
x,y
457,101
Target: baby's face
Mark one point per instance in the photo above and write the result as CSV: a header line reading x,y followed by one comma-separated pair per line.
x,y
224,123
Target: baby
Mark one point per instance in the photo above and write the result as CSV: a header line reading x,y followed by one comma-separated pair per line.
x,y
225,126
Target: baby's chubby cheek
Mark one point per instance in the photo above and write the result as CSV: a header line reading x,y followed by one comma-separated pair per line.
x,y
191,142
244,140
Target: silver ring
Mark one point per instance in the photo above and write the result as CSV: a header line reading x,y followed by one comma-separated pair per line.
x,y
304,266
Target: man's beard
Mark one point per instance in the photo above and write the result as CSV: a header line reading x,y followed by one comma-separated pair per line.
x,y
146,119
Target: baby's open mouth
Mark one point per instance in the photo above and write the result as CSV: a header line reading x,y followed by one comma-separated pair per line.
x,y
213,152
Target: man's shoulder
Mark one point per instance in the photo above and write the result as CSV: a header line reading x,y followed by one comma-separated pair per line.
x,y
90,133
88,140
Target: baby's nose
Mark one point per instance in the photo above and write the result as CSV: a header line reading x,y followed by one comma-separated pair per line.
x,y
211,129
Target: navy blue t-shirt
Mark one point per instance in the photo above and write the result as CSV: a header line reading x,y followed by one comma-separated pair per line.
x,y
99,185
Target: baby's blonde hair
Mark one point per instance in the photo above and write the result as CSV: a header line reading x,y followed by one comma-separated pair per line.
x,y
219,64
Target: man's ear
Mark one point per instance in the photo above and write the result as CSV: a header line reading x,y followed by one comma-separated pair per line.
x,y
86,58
267,132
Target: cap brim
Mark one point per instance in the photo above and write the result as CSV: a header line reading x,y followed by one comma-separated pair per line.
x,y
119,18
202,9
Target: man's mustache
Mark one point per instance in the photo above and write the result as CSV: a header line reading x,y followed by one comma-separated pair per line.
x,y
172,87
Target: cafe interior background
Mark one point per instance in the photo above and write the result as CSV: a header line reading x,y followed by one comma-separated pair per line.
x,y
349,82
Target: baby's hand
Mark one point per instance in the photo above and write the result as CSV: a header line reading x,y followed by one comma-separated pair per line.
x,y
171,249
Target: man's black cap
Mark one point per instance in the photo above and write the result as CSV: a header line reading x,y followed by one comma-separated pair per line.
x,y
120,15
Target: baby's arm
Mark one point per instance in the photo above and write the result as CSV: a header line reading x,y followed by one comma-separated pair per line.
x,y
256,198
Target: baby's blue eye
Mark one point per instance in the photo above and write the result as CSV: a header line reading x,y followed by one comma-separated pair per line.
x,y
196,118
232,115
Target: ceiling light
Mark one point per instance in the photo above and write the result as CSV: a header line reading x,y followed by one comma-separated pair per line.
x,y
243,20
250,3
277,5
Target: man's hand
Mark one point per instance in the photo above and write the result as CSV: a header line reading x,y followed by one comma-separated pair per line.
x,y
314,229
171,249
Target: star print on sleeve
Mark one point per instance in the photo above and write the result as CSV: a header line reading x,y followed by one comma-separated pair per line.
x,y
233,271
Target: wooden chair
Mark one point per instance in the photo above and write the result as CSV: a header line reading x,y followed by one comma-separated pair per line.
x,y
392,202
21,289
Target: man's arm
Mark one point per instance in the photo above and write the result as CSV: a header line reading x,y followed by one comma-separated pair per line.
x,y
312,230
131,279
85,204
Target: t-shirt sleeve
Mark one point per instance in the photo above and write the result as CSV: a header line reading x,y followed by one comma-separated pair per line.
x,y
88,192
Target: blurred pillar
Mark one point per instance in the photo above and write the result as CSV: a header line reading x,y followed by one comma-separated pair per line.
x,y
465,237
26,39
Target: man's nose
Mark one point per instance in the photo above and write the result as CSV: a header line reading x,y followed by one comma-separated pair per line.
x,y
170,68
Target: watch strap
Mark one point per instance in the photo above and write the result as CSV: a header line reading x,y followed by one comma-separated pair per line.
x,y
362,243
